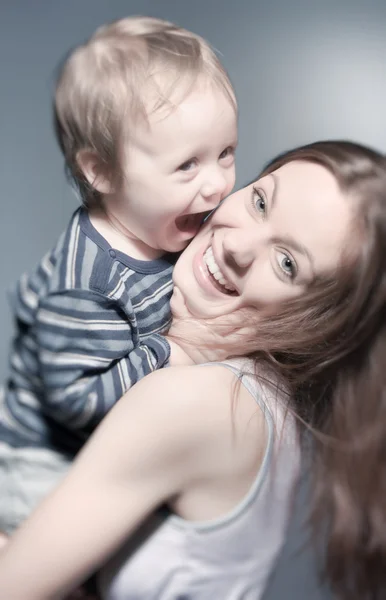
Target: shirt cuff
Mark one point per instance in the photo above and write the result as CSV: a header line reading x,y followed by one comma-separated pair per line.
x,y
160,348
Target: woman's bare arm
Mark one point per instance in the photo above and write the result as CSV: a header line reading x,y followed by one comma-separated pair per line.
x,y
144,452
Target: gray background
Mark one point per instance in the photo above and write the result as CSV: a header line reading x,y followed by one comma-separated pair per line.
x,y
303,70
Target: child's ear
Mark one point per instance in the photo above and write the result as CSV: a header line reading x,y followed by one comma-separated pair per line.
x,y
94,171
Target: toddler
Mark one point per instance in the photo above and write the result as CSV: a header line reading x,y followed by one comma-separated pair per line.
x,y
146,118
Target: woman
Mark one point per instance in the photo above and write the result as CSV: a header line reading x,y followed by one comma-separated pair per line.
x,y
289,272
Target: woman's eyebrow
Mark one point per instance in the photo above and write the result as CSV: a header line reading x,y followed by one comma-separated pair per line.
x,y
275,181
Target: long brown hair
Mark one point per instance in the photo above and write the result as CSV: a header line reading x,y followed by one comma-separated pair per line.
x,y
330,347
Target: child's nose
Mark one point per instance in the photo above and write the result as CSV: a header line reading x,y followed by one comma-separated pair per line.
x,y
214,186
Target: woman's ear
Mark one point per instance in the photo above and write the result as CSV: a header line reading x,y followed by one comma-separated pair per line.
x,y
94,171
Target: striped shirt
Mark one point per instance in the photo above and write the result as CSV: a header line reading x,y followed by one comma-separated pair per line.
x,y
89,322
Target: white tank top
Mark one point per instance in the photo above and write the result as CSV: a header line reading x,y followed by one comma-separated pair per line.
x,y
229,558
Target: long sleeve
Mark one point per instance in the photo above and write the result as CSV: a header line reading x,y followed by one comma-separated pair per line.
x,y
89,323
90,354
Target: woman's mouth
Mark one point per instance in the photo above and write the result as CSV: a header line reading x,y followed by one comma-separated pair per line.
x,y
216,275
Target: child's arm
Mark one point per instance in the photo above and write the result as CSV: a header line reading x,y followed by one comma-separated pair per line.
x,y
148,449
90,354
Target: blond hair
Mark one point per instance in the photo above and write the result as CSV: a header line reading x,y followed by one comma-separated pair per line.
x,y
101,87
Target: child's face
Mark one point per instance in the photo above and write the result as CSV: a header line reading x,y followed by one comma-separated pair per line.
x,y
177,169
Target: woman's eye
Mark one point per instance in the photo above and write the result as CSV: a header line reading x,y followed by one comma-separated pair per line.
x,y
227,152
286,264
259,202
188,165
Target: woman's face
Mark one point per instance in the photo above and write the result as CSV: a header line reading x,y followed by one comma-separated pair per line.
x,y
266,243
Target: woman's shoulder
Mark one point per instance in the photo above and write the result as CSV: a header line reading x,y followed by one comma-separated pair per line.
x,y
217,380
182,391
208,395
226,423
193,380
199,413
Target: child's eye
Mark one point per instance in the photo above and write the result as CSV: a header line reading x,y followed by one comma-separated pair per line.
x,y
229,151
258,201
286,264
188,165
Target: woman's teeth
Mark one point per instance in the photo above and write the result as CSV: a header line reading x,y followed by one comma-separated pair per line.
x,y
214,270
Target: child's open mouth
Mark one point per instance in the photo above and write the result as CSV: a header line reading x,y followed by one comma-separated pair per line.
x,y
190,223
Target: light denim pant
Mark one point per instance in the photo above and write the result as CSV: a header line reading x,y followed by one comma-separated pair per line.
x,y
27,475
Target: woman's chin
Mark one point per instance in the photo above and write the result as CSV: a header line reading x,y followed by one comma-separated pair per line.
x,y
212,310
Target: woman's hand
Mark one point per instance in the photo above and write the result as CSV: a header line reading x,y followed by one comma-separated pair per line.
x,y
207,340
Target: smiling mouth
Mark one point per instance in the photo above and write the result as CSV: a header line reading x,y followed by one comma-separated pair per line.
x,y
216,275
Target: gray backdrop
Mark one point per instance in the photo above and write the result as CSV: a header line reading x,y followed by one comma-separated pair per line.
x,y
303,70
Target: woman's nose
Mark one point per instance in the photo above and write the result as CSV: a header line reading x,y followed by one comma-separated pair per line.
x,y
240,247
